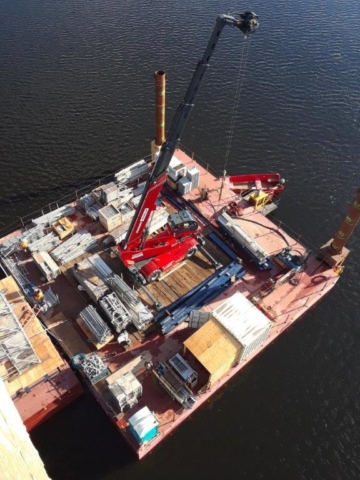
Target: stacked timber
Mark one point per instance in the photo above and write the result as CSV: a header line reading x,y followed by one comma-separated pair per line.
x,y
110,217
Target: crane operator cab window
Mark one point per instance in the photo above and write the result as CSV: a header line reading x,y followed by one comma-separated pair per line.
x,y
182,221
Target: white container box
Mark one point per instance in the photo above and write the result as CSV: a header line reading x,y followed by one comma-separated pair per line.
x,y
176,169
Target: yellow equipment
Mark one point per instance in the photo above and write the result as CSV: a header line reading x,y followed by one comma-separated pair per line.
x,y
259,199
63,227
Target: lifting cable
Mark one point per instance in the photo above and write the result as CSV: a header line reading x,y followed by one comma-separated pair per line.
x,y
240,82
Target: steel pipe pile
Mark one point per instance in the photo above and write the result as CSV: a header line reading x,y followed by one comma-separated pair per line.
x,y
51,217
95,324
77,245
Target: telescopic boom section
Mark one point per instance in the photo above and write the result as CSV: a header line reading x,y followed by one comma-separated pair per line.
x,y
134,240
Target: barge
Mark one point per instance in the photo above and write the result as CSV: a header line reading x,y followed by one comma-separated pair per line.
x,y
162,283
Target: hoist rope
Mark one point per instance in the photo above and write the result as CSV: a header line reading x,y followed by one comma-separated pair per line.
x,y
240,83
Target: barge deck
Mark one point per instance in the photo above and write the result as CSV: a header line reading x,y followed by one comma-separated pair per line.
x,y
282,306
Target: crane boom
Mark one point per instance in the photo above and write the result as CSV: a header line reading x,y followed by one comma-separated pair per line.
x,y
246,22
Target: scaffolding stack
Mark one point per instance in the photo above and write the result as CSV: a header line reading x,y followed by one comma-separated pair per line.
x,y
116,312
93,211
94,368
86,201
17,272
141,315
95,325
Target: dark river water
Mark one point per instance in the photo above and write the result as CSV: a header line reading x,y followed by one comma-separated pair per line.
x,y
77,102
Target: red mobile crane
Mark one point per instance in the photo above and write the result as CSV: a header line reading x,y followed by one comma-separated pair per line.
x,y
151,256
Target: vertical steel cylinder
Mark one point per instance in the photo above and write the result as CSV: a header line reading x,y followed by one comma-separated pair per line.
x,y
160,86
347,227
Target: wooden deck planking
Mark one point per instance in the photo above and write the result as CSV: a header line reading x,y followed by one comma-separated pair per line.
x,y
67,336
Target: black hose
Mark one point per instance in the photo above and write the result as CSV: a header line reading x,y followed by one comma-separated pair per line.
x,y
269,228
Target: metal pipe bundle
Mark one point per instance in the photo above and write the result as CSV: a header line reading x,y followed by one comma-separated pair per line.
x,y
102,268
51,217
75,246
13,244
123,291
95,324
132,173
45,243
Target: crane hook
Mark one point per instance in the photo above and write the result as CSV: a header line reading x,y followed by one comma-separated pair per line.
x,y
248,23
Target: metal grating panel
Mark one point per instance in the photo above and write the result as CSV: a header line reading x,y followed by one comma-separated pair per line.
x,y
15,346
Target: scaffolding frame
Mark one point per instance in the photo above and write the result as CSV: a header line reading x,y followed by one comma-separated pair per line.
x,y
15,345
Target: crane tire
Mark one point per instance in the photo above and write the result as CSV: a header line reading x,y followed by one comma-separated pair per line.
x,y
191,252
154,276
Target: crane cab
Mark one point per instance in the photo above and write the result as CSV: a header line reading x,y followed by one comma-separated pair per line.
x,y
182,221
